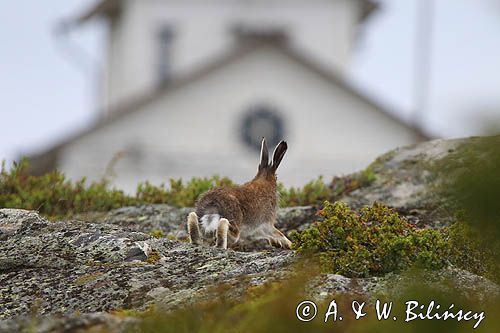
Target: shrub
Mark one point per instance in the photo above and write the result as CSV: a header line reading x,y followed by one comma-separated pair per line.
x,y
52,194
373,242
313,193
178,194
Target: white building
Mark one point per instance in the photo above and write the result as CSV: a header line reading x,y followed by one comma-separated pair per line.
x,y
192,86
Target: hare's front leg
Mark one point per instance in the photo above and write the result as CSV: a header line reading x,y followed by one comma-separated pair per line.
x,y
221,236
193,229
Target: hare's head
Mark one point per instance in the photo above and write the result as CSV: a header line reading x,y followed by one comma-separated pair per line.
x,y
267,170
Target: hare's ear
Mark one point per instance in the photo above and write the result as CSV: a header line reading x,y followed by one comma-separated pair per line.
x,y
278,154
264,155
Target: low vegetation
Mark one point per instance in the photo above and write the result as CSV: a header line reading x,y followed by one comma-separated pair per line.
x,y
374,242
56,196
377,241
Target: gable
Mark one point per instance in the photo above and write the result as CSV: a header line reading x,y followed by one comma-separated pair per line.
x,y
195,128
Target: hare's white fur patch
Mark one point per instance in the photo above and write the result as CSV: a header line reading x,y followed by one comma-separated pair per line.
x,y
210,222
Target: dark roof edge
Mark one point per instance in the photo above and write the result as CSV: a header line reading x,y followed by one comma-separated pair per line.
x,y
109,7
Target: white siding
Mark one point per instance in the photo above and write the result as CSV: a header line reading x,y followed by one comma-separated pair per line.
x,y
321,29
193,131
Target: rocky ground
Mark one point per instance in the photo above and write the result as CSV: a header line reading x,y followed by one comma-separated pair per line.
x,y
77,274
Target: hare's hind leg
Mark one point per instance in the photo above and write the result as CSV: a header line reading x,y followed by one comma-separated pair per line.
x,y
193,229
277,239
221,236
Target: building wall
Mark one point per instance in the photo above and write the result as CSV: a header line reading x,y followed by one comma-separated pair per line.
x,y
194,130
322,29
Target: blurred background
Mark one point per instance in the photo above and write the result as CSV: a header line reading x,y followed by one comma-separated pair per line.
x,y
153,89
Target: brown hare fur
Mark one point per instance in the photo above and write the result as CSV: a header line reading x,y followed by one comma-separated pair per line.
x,y
242,212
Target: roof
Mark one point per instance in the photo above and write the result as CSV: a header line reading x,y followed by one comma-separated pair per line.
x,y
111,7
47,160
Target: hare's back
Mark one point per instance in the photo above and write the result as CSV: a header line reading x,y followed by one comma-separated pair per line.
x,y
222,202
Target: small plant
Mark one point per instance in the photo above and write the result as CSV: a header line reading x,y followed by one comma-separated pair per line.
x,y
153,257
313,193
374,242
178,194
157,233
54,195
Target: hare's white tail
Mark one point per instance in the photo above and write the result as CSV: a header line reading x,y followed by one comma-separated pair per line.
x,y
210,222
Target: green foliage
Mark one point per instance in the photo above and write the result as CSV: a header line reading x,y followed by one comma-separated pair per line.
x,y
474,250
476,186
312,193
178,194
472,185
373,242
55,196
317,191
157,233
52,194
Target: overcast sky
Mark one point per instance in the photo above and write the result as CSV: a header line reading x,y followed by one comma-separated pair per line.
x,y
45,97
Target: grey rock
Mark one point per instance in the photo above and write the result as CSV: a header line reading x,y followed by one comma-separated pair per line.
x,y
71,266
11,220
406,180
172,221
95,322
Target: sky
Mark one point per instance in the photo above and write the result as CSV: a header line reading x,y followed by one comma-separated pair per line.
x,y
46,96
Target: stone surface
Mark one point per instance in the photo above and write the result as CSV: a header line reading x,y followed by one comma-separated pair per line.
x,y
69,266
405,179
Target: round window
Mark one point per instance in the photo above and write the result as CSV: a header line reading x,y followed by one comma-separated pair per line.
x,y
262,121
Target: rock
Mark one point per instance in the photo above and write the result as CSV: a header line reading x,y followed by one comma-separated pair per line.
x,y
295,218
11,220
151,218
406,179
71,266
171,221
94,322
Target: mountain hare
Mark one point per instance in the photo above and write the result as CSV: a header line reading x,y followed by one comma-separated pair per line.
x,y
247,211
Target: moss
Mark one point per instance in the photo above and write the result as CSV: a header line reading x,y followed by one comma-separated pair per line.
x,y
473,250
374,242
157,233
84,279
153,257
135,313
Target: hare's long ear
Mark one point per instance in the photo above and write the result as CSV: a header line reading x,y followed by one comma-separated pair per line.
x,y
278,154
264,155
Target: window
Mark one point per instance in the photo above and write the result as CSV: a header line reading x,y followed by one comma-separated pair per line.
x,y
165,38
262,121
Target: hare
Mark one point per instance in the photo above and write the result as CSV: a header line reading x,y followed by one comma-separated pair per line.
x,y
243,212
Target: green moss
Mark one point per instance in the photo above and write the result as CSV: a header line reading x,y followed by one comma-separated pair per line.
x,y
157,233
373,242
153,257
135,313
473,250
